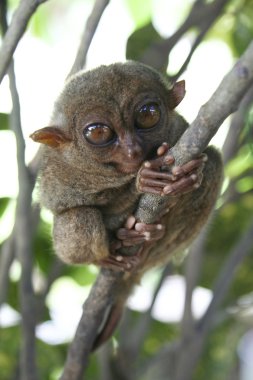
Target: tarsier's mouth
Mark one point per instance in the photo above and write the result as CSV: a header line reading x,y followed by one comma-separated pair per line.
x,y
126,167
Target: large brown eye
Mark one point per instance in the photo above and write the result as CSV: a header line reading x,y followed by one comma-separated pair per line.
x,y
99,134
148,116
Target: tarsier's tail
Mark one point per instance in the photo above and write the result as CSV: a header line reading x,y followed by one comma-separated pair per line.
x,y
114,314
109,326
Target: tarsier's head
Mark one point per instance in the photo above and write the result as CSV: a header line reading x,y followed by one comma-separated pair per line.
x,y
115,115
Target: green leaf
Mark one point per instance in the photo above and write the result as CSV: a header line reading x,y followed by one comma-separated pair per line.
x,y
3,204
9,347
241,163
140,40
243,29
43,247
83,275
4,121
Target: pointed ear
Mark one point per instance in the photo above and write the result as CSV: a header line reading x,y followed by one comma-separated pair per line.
x,y
177,94
51,136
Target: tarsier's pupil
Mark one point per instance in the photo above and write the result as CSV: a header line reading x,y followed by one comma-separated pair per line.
x,y
148,115
98,134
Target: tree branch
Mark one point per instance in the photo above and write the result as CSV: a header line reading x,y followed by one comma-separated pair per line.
x,y
231,143
23,243
201,16
192,271
15,31
132,341
7,257
88,34
224,101
93,313
22,232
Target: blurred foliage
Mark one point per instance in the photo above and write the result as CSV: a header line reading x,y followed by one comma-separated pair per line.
x,y
242,32
219,356
140,40
235,29
3,205
9,349
4,121
43,247
141,11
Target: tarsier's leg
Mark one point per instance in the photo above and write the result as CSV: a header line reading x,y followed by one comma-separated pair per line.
x,y
79,235
89,241
132,234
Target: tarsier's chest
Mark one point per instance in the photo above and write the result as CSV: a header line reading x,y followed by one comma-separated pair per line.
x,y
121,203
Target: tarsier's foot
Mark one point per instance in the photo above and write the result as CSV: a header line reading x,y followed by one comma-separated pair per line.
x,y
133,234
180,180
121,263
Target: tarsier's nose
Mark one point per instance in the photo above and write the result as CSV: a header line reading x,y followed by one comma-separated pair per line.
x,y
132,148
134,151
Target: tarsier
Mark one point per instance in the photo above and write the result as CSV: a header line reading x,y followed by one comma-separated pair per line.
x,y
108,143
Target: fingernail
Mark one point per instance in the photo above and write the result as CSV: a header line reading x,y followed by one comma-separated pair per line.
x,y
147,164
159,227
167,190
138,227
160,150
130,222
147,235
169,159
119,258
176,170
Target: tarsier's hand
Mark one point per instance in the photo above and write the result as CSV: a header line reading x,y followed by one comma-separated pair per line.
x,y
181,179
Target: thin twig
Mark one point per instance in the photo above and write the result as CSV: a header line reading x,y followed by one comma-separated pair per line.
x,y
6,260
195,44
23,243
192,271
231,143
88,34
132,341
15,31
201,16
